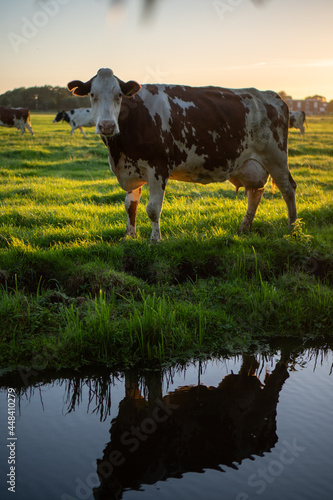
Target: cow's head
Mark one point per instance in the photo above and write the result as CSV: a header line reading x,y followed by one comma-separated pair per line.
x,y
59,116
106,93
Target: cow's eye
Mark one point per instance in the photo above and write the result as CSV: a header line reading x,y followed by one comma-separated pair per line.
x,y
92,95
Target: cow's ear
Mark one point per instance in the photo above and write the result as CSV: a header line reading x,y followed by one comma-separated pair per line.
x,y
79,88
129,89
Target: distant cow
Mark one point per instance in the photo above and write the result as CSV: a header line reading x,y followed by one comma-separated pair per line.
x,y
16,117
206,134
297,120
77,118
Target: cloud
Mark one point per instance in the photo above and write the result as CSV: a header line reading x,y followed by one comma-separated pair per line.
x,y
323,63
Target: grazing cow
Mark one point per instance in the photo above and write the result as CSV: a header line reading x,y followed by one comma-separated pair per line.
x,y
206,134
16,117
77,118
297,119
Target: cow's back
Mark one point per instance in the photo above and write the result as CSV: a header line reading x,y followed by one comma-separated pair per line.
x,y
199,134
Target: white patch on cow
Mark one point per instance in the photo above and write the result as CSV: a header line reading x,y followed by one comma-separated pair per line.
x,y
214,135
193,158
195,173
127,172
184,105
157,105
82,117
19,123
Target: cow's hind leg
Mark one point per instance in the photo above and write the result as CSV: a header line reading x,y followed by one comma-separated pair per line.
x,y
287,186
154,207
254,197
29,127
132,199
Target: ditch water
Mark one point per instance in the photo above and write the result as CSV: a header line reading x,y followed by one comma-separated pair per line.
x,y
237,428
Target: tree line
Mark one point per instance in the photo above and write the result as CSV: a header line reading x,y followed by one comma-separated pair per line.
x,y
46,98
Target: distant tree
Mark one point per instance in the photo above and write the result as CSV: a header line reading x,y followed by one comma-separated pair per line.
x,y
284,95
317,97
43,98
329,107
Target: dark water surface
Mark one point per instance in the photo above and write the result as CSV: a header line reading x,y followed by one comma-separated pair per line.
x,y
247,427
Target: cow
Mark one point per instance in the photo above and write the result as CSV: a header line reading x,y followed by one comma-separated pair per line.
x,y
76,118
194,134
297,120
16,117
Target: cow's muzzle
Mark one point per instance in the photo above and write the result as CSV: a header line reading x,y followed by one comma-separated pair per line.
x,y
108,128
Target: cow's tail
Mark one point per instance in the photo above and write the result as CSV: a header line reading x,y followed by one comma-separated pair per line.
x,y
273,185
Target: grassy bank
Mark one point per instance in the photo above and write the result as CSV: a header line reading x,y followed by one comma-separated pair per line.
x,y
74,292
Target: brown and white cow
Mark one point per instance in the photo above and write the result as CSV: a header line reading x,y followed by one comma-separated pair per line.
x,y
297,120
204,135
16,117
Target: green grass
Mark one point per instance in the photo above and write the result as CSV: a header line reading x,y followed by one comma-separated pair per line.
x,y
74,292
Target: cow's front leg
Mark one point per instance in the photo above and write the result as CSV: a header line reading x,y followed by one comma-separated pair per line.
x,y
154,207
254,196
132,199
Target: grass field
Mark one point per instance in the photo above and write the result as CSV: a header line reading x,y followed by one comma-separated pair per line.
x,y
74,292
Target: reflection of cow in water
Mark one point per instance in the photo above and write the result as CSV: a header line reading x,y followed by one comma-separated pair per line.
x,y
193,428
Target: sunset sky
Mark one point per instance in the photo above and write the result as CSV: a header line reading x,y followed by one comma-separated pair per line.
x,y
281,45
